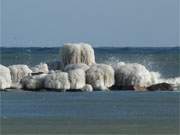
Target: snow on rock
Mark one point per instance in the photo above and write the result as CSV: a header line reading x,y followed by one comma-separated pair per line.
x,y
5,77
33,82
76,66
87,88
42,67
73,53
18,72
132,75
57,80
77,78
100,76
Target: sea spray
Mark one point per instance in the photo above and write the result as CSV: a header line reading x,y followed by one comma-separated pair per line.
x,y
157,78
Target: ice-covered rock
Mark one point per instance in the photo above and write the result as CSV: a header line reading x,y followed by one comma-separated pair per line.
x,y
41,68
76,66
57,80
87,88
18,72
77,53
118,65
35,82
132,75
100,76
77,78
5,77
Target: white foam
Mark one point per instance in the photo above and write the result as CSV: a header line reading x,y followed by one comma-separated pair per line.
x,y
157,78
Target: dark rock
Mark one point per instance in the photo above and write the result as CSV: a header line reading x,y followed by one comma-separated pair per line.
x,y
38,73
161,87
131,87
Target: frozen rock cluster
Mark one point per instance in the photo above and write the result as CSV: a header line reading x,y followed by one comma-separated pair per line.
x,y
78,71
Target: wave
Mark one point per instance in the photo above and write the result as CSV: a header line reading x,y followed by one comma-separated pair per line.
x,y
156,77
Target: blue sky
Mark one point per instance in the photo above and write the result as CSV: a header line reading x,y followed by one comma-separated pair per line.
x,y
48,23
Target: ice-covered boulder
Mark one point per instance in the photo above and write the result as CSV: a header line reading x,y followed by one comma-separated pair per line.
x,y
76,66
87,88
41,68
77,53
132,75
57,80
77,78
100,76
5,77
35,82
18,72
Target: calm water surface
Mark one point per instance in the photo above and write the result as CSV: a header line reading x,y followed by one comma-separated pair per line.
x,y
124,113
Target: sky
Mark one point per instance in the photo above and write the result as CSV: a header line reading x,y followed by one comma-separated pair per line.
x,y
48,23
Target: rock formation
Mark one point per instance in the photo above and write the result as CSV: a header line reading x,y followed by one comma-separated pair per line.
x,y
161,87
77,53
35,82
57,80
76,66
41,68
77,78
17,73
100,76
87,88
132,75
5,77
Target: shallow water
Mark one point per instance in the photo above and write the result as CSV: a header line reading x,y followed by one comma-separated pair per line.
x,y
130,113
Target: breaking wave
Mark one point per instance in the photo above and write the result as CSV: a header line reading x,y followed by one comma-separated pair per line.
x,y
156,77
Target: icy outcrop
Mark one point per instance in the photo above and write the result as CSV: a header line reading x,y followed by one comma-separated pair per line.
x,y
77,78
41,68
77,53
100,76
132,75
5,77
33,82
57,80
76,66
18,72
87,88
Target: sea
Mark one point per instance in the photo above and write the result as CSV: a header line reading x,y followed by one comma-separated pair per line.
x,y
100,113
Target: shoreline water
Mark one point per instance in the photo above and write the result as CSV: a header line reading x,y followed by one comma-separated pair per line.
x,y
125,112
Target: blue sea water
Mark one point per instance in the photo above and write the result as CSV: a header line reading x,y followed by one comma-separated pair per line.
x,y
52,113
122,113
163,60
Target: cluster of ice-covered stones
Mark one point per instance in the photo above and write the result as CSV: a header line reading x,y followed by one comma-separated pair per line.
x,y
78,71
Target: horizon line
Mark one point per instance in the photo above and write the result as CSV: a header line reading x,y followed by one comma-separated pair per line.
x,y
93,47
